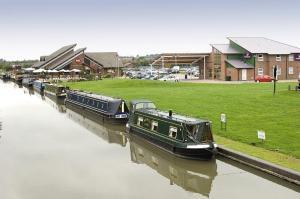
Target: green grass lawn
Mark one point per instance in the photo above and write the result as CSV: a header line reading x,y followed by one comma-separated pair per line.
x,y
249,107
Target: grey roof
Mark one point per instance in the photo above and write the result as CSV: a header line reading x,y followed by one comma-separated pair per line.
x,y
239,64
53,56
66,60
175,117
106,59
264,45
225,49
60,51
38,64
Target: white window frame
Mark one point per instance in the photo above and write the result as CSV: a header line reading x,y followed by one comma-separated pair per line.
x,y
291,70
260,57
260,71
291,57
153,124
278,57
140,121
278,70
172,130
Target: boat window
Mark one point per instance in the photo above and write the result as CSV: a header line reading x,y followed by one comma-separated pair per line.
x,y
123,107
154,126
204,133
140,121
61,89
147,105
192,129
173,132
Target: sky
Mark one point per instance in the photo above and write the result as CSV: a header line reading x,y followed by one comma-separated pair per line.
x,y
31,28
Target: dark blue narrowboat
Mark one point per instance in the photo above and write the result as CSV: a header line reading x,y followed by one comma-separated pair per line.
x,y
39,85
110,109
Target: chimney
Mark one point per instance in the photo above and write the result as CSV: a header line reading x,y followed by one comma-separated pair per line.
x,y
170,113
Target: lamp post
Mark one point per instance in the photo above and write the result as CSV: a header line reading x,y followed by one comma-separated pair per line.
x,y
275,79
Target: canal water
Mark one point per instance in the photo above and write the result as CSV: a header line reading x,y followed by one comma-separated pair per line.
x,y
51,151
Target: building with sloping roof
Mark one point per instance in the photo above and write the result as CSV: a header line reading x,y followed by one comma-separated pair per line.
x,y
244,58
65,58
110,62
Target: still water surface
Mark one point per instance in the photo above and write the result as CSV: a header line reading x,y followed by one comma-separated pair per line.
x,y
51,151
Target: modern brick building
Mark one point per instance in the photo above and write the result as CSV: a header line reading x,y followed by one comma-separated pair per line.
x,y
246,57
68,58
64,58
109,62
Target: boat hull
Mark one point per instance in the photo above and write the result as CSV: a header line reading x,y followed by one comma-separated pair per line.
x,y
181,151
38,89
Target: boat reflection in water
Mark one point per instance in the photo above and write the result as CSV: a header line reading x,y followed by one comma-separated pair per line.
x,y
27,90
108,132
191,175
55,102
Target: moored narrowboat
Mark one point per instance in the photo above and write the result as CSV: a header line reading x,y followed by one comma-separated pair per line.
x,y
39,85
27,81
181,135
55,90
5,76
110,109
18,78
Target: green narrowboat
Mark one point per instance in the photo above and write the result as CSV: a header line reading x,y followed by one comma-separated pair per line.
x,y
181,135
55,90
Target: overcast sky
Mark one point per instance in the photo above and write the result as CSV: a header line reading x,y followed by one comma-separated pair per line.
x,y
32,28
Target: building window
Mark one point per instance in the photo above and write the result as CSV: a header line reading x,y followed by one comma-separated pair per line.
x,y
260,71
154,126
260,57
291,57
140,121
173,132
291,70
278,70
278,58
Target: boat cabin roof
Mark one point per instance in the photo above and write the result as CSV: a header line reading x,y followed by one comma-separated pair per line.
x,y
140,101
175,117
42,81
96,96
57,85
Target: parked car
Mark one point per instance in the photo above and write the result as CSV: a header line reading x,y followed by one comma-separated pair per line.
x,y
264,78
169,78
175,69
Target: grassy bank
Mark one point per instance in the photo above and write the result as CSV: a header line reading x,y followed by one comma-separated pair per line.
x,y
249,107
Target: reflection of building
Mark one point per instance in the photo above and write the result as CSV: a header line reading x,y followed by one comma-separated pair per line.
x,y
194,176
112,134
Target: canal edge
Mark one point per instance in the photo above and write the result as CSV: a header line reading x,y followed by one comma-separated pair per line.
x,y
262,165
